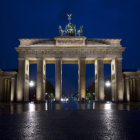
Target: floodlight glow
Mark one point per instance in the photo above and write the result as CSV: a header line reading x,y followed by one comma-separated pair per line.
x,y
108,84
107,106
61,99
31,84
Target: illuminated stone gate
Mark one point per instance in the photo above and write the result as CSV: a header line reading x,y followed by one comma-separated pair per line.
x,y
70,48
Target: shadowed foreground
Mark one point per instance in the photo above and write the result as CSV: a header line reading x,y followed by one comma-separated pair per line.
x,y
71,124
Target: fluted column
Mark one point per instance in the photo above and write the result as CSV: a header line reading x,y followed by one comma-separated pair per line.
x,y
81,79
133,89
116,80
5,90
58,79
127,89
12,89
99,80
130,81
138,88
40,86
26,80
137,83
1,89
8,91
20,80
23,80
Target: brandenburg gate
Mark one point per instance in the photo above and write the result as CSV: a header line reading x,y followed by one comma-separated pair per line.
x,y
70,47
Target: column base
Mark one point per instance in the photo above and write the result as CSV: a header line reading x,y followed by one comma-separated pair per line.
x,y
39,101
100,101
117,102
57,101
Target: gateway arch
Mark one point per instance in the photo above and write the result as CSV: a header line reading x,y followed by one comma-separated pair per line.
x,y
70,47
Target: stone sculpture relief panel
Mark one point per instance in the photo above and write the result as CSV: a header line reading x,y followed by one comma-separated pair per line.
x,y
113,77
70,53
70,42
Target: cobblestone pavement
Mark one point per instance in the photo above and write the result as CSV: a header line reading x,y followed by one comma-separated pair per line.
x,y
71,125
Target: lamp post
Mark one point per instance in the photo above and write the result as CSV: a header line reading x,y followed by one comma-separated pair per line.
x,y
107,84
31,83
32,91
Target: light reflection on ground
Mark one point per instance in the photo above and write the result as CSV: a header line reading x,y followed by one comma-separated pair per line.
x,y
31,107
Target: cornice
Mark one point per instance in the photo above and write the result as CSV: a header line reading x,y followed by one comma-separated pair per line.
x,y
68,41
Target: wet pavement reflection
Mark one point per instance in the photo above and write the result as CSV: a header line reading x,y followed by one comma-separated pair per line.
x,y
31,107
69,121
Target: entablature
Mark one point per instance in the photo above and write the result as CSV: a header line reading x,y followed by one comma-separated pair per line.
x,y
8,74
131,74
71,41
71,53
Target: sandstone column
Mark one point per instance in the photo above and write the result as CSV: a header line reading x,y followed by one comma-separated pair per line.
x,y
134,89
138,84
8,91
130,89
127,89
23,80
5,90
26,80
81,79
40,86
12,89
58,79
99,80
116,80
1,89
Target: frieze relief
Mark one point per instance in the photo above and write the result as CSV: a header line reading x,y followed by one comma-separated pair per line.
x,y
113,77
87,53
95,76
29,42
27,77
27,67
44,77
70,42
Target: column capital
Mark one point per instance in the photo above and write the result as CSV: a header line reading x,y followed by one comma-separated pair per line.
x,y
133,78
127,78
58,58
26,58
9,79
130,79
21,58
119,58
81,58
99,59
39,58
12,78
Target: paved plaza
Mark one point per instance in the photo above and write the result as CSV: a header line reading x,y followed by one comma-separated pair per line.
x,y
57,121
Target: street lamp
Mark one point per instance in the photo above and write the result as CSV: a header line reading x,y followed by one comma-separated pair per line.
x,y
31,84
108,84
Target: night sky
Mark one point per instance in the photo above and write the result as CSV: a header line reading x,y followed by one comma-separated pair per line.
x,y
40,19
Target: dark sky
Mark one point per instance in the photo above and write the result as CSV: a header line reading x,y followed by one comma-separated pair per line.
x,y
40,19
